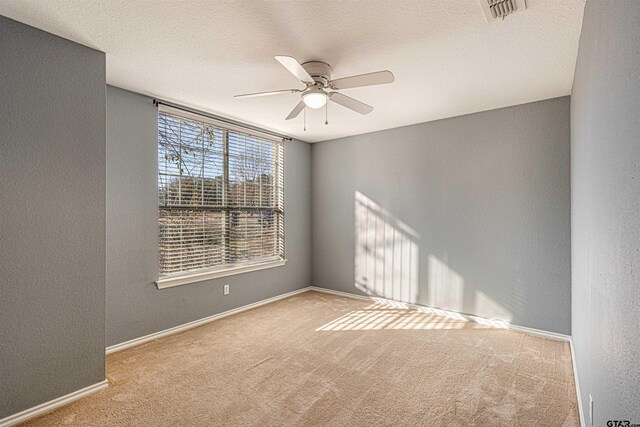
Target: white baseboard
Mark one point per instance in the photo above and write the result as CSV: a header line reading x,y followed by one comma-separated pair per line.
x,y
530,331
52,404
181,328
583,422
540,333
340,293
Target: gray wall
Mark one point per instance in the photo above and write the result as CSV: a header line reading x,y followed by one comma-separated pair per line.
x,y
52,221
605,179
469,214
135,307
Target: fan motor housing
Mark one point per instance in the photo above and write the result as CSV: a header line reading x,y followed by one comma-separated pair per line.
x,y
320,71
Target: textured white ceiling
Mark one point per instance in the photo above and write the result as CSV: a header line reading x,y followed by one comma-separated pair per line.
x,y
447,60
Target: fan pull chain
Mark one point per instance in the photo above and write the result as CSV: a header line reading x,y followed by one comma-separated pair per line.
x,y
326,113
305,119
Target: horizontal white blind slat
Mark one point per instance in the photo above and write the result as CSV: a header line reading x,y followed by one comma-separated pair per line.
x,y
220,193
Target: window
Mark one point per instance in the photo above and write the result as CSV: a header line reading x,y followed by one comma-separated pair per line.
x,y
220,198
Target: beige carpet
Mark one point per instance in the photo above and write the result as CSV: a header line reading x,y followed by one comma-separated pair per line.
x,y
317,359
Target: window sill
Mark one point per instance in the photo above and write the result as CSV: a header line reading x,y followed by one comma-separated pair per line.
x,y
185,279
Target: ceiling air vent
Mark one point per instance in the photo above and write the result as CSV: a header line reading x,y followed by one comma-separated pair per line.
x,y
499,9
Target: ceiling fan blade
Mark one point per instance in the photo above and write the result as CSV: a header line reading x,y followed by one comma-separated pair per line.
x,y
352,104
370,79
294,113
295,68
273,92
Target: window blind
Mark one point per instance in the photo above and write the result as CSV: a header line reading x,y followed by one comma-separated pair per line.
x,y
221,195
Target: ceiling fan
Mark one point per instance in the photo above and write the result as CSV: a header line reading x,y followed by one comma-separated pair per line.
x,y
316,76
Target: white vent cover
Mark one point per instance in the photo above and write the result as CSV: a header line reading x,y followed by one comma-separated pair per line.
x,y
498,9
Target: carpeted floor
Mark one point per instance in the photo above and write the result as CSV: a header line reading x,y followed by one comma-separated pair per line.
x,y
318,359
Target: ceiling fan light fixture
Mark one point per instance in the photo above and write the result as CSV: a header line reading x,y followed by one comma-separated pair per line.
x,y
316,77
315,98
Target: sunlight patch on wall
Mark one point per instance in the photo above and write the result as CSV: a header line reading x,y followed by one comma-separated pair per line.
x,y
445,286
487,307
386,262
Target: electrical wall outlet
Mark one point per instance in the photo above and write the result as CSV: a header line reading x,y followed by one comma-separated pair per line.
x,y
226,290
591,409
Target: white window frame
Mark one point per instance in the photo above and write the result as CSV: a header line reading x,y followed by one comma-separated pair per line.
x,y
193,276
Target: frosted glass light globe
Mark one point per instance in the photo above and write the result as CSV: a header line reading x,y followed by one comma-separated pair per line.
x,y
315,98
